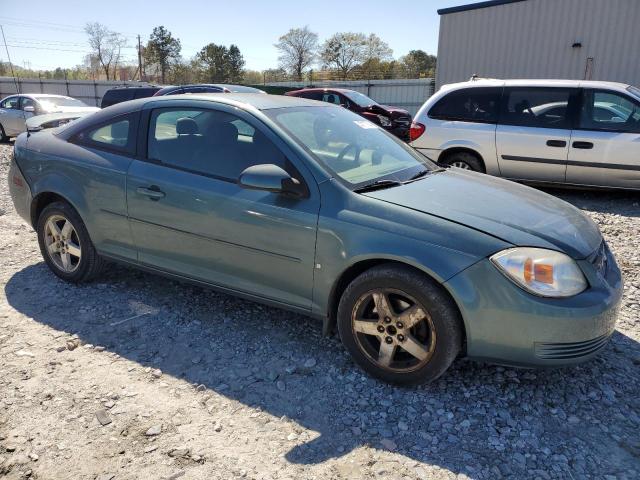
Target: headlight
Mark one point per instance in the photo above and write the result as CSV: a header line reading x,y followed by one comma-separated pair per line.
x,y
542,272
384,121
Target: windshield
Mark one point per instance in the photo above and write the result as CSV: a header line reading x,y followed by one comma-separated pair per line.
x,y
359,99
50,103
635,91
353,149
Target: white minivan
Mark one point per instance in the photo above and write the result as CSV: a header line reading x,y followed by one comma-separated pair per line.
x,y
552,131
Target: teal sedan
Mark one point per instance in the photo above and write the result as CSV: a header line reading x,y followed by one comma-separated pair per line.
x,y
309,207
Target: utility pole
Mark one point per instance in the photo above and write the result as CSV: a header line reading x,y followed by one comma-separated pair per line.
x,y
140,72
15,80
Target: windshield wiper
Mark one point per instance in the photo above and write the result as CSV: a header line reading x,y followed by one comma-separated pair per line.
x,y
420,174
377,185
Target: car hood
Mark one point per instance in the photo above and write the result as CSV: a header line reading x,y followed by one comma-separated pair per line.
x,y
512,212
61,109
39,121
393,112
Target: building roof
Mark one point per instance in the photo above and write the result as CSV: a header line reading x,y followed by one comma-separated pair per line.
x,y
476,6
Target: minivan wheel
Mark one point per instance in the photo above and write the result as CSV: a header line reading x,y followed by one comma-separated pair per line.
x,y
65,244
399,325
464,160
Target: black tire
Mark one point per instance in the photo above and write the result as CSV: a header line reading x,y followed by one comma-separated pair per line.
x,y
3,137
89,264
445,341
465,160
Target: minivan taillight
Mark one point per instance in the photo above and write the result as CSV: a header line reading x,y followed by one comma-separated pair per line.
x,y
416,130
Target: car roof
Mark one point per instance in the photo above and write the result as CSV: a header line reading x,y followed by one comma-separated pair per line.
x,y
45,95
244,101
494,82
325,89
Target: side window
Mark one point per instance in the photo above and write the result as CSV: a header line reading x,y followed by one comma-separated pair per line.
x,y
10,103
208,142
477,104
611,111
28,102
313,96
116,135
536,107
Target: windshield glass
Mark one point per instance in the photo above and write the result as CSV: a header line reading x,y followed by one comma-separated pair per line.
x,y
353,149
49,103
635,91
359,98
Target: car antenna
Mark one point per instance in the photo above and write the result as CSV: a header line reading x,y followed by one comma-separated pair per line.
x,y
9,58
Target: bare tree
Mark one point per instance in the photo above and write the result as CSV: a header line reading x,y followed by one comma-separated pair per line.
x,y
347,50
297,49
106,46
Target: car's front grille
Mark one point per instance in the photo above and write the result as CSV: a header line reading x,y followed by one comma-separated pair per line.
x,y
562,351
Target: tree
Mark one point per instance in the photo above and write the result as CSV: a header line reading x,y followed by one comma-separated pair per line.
x,y
220,64
235,64
106,46
420,62
162,49
344,51
297,49
252,77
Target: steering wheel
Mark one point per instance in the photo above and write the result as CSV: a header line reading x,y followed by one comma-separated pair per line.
x,y
352,146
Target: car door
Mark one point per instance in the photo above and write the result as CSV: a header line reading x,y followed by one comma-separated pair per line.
x,y
533,132
11,117
605,145
190,216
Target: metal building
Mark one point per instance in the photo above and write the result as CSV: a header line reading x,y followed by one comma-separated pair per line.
x,y
570,39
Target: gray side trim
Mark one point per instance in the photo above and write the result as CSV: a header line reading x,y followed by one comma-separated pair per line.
x,y
574,163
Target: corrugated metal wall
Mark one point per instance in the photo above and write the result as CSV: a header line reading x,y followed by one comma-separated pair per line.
x,y
86,90
534,38
409,94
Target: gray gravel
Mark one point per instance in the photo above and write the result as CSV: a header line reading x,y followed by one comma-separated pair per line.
x,y
136,376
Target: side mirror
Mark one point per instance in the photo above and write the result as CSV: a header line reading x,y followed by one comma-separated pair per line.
x,y
271,178
29,109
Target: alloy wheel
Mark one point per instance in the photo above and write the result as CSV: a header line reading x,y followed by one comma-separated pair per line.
x,y
393,330
62,243
463,165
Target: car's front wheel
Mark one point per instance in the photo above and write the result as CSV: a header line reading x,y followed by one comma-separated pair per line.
x,y
399,325
65,244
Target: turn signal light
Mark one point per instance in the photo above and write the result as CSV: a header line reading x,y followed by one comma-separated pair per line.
x,y
537,272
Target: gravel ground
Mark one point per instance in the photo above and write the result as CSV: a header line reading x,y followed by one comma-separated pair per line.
x,y
136,376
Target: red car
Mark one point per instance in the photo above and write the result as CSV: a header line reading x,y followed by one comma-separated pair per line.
x,y
394,120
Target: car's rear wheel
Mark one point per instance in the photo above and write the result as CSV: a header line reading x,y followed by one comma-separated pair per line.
x,y
464,160
65,244
399,325
3,137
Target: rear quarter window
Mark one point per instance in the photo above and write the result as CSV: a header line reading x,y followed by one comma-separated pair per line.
x,y
477,104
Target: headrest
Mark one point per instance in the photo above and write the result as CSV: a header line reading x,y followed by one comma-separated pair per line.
x,y
186,126
222,132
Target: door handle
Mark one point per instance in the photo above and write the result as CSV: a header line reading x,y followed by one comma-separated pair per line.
x,y
153,192
583,145
556,143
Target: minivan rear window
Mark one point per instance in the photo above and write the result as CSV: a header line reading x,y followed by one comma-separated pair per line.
x,y
478,104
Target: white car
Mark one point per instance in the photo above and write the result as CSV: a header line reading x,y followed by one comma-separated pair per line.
x,y
16,109
550,131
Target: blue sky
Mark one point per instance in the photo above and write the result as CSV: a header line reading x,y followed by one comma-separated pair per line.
x,y
49,34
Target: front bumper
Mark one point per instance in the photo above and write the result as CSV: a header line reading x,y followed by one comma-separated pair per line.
x,y
19,191
400,131
506,325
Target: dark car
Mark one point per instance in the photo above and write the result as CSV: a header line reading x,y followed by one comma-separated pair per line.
x,y
123,94
392,119
205,88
